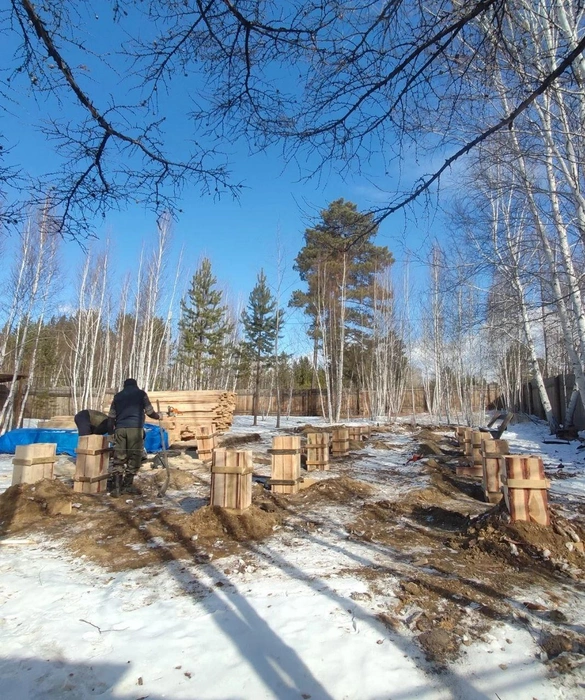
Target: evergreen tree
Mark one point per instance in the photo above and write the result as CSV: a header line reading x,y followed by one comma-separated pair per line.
x,y
260,323
339,264
204,326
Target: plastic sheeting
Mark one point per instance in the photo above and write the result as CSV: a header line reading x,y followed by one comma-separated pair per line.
x,y
66,440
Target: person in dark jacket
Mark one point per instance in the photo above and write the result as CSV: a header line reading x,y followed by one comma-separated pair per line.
x,y
127,415
91,422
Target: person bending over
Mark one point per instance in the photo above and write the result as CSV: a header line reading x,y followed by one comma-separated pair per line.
x,y
127,415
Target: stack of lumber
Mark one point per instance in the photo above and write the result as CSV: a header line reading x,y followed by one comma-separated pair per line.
x,y
33,462
65,422
231,480
188,410
525,489
91,467
285,474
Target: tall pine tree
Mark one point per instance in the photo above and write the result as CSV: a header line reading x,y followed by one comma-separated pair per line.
x,y
260,321
339,264
204,327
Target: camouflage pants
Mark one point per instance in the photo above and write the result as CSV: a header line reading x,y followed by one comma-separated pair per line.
x,y
128,446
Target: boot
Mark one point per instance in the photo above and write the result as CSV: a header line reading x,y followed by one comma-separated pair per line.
x,y
127,484
116,489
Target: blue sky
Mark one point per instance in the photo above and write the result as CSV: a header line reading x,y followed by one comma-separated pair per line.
x,y
239,237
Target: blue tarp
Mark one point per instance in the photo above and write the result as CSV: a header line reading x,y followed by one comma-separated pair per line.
x,y
67,439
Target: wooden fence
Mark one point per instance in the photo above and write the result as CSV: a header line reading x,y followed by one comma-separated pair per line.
x,y
58,401
559,390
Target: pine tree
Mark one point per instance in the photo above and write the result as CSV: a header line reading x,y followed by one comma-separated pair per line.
x,y
260,321
339,264
204,326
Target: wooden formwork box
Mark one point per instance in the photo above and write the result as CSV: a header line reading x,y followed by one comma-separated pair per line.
x,y
285,474
525,489
357,433
472,445
318,451
91,466
340,442
33,462
460,435
467,444
493,453
206,442
231,480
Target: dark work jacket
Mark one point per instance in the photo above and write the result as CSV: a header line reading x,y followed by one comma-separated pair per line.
x,y
129,406
90,422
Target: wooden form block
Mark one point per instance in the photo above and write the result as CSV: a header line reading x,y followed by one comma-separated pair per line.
x,y
231,480
91,466
525,489
357,433
340,442
467,444
318,451
33,462
493,453
286,464
460,434
206,442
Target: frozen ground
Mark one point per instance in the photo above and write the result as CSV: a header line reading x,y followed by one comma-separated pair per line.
x,y
291,617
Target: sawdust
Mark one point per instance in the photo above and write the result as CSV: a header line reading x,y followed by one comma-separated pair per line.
x,y
24,504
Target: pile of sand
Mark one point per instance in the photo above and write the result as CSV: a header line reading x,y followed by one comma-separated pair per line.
x,y
24,504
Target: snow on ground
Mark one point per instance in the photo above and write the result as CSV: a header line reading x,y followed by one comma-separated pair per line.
x,y
289,619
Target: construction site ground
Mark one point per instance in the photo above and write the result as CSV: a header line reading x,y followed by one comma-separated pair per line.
x,y
388,578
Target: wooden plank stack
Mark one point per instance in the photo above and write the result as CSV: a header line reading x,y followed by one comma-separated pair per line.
x,y
58,422
231,480
340,442
91,466
193,409
206,441
493,453
285,474
33,462
318,451
525,489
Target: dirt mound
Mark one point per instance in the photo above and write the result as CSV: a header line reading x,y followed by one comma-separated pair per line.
x,y
24,504
339,490
308,428
179,479
211,523
559,547
123,534
235,440
356,444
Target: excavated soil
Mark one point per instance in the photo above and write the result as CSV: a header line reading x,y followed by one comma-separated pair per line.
x,y
25,504
237,440
465,564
